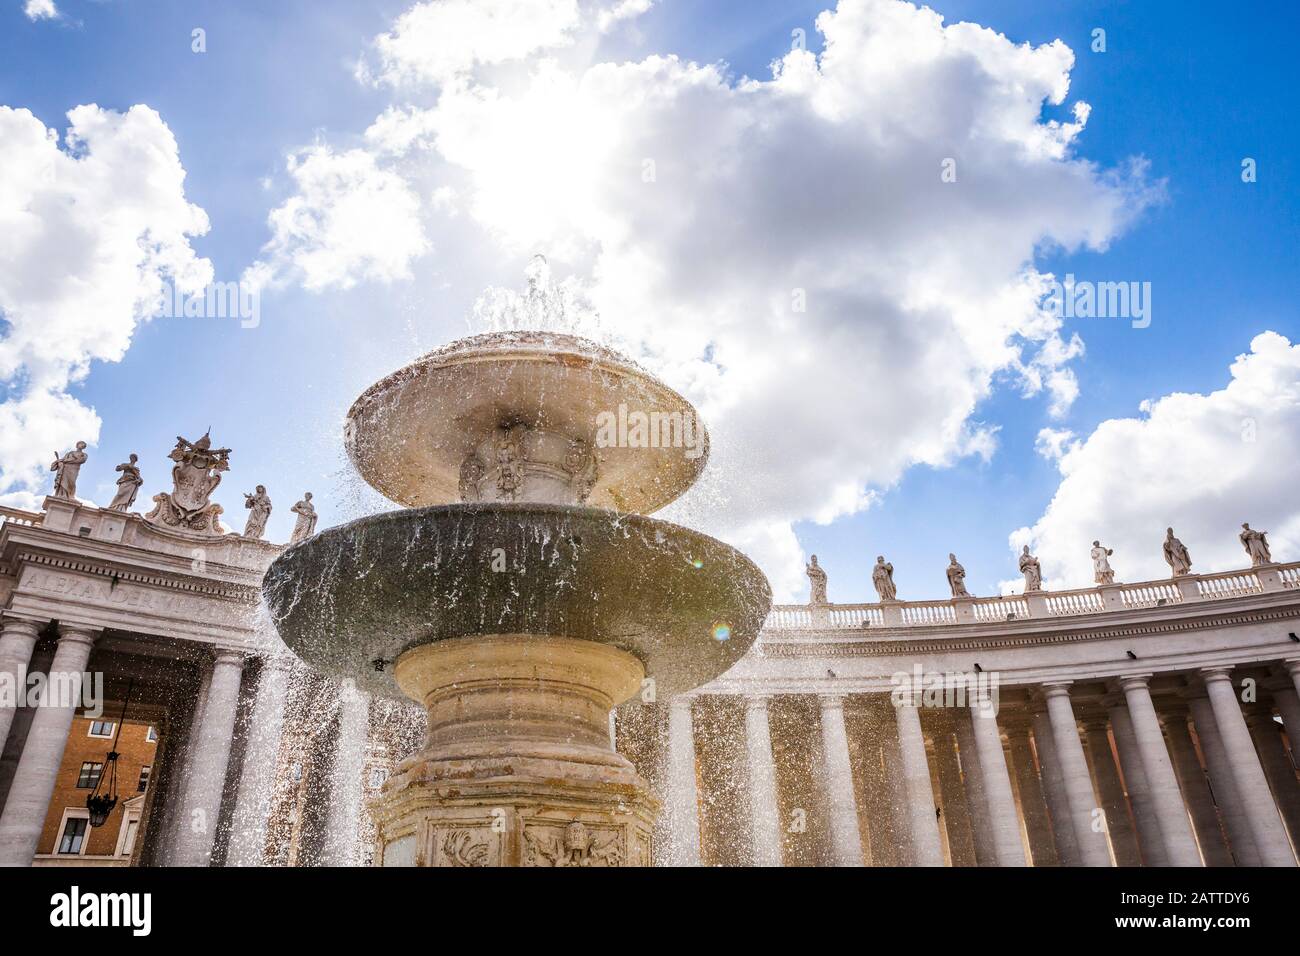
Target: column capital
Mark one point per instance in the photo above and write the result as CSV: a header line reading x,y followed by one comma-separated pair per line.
x,y
1222,673
831,701
12,624
756,701
71,633
1128,681
229,657
1292,666
1056,688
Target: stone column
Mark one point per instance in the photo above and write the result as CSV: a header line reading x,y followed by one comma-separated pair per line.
x,y
837,773
173,816
17,640
1288,706
1265,824
1175,827
198,813
1277,766
1292,667
680,800
765,824
33,784
1150,839
257,776
981,822
927,849
1008,849
1241,842
347,793
1119,824
1196,790
1038,825
1074,771
956,810
1058,806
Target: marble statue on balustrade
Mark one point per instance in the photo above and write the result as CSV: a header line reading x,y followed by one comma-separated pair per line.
x,y
128,486
816,582
259,510
195,475
1102,572
66,468
956,577
882,576
1180,562
1256,545
305,526
1030,568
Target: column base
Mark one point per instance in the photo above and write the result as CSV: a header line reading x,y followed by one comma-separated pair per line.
x,y
517,768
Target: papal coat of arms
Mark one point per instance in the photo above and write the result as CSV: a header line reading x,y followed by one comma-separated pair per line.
x,y
195,475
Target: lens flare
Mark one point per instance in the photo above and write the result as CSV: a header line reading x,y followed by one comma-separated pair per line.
x,y
721,632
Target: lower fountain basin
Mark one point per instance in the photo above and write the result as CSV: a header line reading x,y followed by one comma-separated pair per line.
x,y
354,598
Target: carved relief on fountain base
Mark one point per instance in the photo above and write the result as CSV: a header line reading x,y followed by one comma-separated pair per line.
x,y
521,821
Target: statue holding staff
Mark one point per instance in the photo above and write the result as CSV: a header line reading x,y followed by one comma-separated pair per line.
x,y
66,468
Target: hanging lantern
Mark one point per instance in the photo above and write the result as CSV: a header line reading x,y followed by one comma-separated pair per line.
x,y
101,805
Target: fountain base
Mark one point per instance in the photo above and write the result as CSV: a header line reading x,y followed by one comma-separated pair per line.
x,y
517,767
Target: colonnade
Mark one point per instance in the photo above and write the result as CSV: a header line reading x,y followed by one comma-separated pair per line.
x,y
1186,768
199,771
1065,772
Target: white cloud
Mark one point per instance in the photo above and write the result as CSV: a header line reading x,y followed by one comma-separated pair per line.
x,y
88,234
1201,463
609,17
40,10
436,41
1054,443
784,251
349,220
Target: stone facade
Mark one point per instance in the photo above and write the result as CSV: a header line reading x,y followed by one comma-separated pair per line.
x,y
1166,710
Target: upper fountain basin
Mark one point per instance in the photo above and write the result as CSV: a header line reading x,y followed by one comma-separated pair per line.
x,y
526,416
686,605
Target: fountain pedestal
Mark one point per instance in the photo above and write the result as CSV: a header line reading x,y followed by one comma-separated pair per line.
x,y
517,767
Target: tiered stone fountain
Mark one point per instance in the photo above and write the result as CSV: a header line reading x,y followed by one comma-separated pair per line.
x,y
522,595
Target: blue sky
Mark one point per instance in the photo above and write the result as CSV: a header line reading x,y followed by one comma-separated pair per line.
x,y
1192,88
